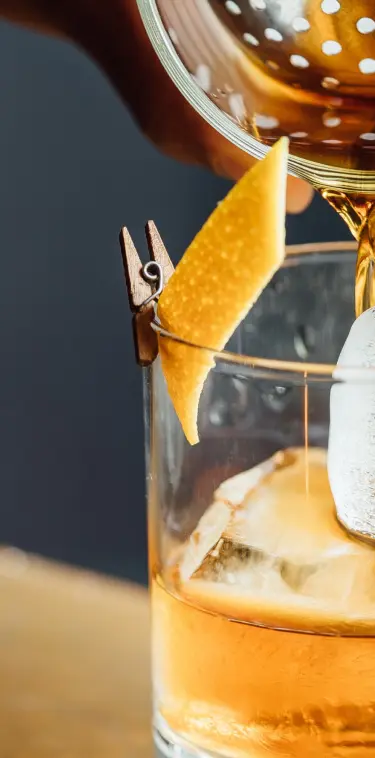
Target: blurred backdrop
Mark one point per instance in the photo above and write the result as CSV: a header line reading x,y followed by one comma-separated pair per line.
x,y
74,169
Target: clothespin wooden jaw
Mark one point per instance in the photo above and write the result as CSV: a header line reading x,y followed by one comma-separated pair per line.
x,y
144,283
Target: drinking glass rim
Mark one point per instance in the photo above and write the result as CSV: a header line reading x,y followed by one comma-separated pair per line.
x,y
275,368
337,178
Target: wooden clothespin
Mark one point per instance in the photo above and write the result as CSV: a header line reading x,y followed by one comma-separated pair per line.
x,y
144,284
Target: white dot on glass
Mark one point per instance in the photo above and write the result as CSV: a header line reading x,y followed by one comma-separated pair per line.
x,y
331,47
203,77
273,35
233,8
330,6
173,36
250,39
365,25
258,5
237,106
331,121
301,24
329,82
299,61
298,135
367,66
370,136
266,122
332,141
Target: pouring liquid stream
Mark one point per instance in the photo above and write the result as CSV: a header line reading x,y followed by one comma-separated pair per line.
x,y
358,212
306,435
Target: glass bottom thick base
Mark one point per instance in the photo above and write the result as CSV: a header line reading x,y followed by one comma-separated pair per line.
x,y
170,745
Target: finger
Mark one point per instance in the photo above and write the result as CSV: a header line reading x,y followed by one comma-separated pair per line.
x,y
227,160
162,111
299,195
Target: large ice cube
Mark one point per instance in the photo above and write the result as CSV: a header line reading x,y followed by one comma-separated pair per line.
x,y
214,522
271,536
346,580
204,538
290,515
351,457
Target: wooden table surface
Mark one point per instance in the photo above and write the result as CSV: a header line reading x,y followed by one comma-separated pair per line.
x,y
74,663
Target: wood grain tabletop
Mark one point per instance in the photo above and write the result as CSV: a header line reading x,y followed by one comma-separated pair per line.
x,y
74,663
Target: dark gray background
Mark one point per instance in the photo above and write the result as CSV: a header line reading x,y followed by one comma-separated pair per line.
x,y
74,169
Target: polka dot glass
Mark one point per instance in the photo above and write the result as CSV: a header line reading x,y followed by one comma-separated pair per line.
x,y
301,68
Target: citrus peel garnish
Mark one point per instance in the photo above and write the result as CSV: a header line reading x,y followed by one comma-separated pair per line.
x,y
219,278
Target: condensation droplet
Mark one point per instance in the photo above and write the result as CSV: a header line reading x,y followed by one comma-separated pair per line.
x,y
370,136
250,39
299,61
367,66
275,398
266,122
217,413
304,341
273,35
365,25
330,6
233,8
300,347
331,47
301,24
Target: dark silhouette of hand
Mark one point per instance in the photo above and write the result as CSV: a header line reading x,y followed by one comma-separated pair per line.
x,y
112,33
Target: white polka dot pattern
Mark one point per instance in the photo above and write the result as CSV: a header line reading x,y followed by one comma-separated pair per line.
x,y
273,35
300,24
330,6
330,120
266,122
299,61
258,5
203,77
233,8
298,135
237,106
250,39
365,25
278,34
330,82
367,66
331,47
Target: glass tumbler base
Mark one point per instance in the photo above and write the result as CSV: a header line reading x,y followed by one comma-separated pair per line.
x,y
170,745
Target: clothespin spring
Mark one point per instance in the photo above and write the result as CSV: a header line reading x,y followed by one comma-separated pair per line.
x,y
144,285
